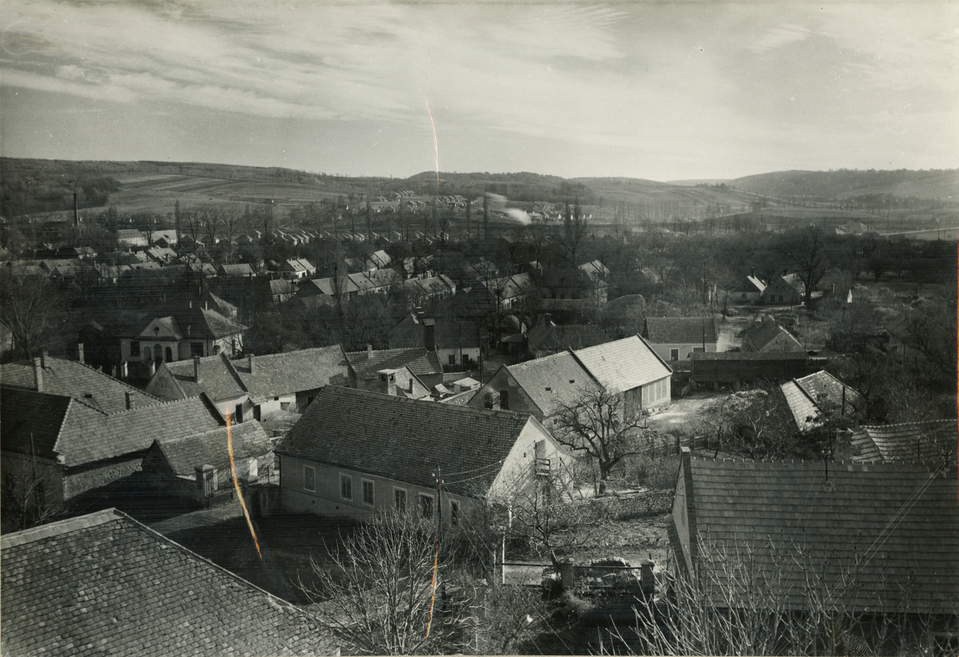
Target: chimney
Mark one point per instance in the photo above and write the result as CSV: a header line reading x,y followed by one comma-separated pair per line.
x,y
129,399
250,359
125,370
369,352
38,374
80,352
43,359
196,370
191,303
752,272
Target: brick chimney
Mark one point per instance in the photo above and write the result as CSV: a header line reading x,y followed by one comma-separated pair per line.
x,y
129,399
80,352
250,361
43,358
196,370
369,352
38,374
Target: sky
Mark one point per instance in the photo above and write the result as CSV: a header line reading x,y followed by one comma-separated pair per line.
x,y
655,90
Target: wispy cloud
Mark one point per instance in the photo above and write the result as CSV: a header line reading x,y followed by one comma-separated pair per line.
x,y
780,36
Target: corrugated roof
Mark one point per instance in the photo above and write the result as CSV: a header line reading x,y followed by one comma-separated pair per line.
x,y
106,584
404,439
623,364
881,537
75,379
909,442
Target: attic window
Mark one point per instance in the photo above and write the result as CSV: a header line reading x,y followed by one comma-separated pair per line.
x,y
572,380
548,389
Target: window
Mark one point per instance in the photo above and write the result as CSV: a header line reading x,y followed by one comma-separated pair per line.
x,y
674,354
488,400
196,349
426,506
168,355
309,478
399,499
346,487
504,399
238,414
367,492
134,347
454,512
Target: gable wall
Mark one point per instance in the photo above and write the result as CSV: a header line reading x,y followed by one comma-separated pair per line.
x,y
518,471
519,401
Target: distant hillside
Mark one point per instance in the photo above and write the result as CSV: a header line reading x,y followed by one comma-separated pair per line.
x,y
845,183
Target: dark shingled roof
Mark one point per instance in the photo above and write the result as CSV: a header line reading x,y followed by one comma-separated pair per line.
x,y
420,361
183,453
56,426
404,439
910,442
680,330
272,375
892,530
74,379
104,584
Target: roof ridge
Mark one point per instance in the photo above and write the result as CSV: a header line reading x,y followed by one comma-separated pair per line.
x,y
910,423
58,527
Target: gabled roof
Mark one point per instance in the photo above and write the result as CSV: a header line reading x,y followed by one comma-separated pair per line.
x,y
184,453
58,427
238,269
104,583
910,442
75,379
680,330
420,361
219,380
553,381
881,537
405,440
272,375
810,396
765,331
623,364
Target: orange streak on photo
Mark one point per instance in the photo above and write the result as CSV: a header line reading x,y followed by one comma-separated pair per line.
x,y
436,148
236,486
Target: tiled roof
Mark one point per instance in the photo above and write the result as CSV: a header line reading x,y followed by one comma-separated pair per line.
x,y
239,269
552,337
820,391
293,371
623,364
54,426
910,442
210,448
680,330
218,378
404,439
764,332
104,584
552,381
420,361
272,375
75,379
891,530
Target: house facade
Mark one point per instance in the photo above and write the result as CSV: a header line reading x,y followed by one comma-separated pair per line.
x,y
355,453
786,289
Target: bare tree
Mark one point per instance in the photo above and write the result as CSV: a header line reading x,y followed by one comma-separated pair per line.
x,y
23,496
602,424
379,595
30,308
807,251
